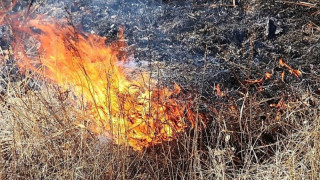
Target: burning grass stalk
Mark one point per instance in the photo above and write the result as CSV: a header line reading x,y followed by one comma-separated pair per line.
x,y
130,111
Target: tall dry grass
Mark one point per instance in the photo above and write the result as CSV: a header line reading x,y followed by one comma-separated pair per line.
x,y
242,139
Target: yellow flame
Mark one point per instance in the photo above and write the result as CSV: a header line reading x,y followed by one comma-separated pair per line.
x,y
132,111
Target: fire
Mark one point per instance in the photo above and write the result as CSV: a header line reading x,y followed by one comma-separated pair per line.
x,y
281,105
258,81
282,76
295,72
130,109
268,75
219,92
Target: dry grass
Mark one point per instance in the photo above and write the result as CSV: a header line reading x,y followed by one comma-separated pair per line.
x,y
242,140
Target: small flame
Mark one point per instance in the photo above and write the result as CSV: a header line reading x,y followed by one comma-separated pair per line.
x,y
260,81
281,105
267,76
132,111
295,72
255,81
219,92
282,76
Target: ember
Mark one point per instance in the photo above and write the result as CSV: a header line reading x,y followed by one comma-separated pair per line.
x,y
295,72
219,92
260,81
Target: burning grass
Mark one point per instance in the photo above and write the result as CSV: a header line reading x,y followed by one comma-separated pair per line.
x,y
68,123
132,111
39,139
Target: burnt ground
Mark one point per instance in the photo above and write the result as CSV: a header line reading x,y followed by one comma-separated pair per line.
x,y
199,44
247,39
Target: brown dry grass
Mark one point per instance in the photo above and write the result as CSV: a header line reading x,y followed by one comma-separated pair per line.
x,y
242,140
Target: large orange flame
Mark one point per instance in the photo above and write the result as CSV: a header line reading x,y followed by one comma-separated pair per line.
x,y
131,111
